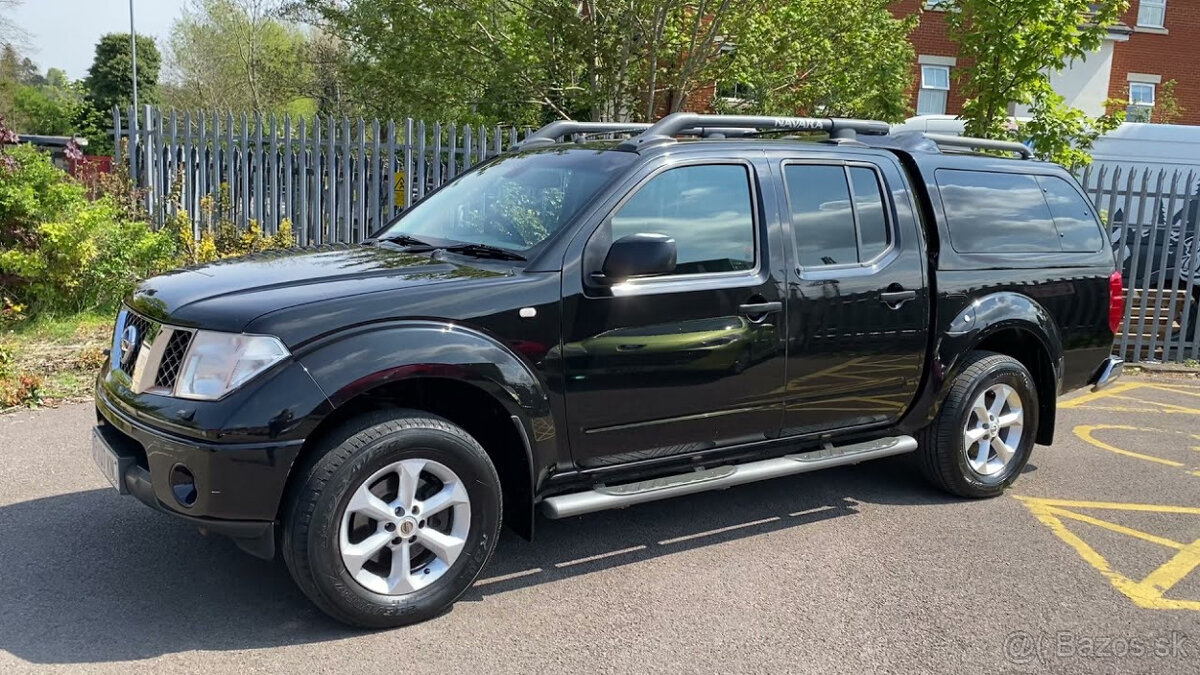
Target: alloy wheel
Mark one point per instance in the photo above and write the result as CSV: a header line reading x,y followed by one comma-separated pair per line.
x,y
404,526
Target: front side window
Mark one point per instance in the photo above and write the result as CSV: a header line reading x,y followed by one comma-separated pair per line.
x,y
838,214
706,209
935,90
1152,13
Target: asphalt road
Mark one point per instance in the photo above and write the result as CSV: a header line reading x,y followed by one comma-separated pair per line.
x,y
854,570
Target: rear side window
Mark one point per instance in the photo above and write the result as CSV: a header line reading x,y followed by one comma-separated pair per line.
x,y
838,214
1077,226
996,212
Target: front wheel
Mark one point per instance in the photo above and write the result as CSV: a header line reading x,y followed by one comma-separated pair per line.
x,y
985,431
393,519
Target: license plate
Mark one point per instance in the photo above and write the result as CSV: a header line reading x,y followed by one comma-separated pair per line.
x,y
110,463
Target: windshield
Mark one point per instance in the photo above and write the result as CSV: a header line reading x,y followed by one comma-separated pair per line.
x,y
515,202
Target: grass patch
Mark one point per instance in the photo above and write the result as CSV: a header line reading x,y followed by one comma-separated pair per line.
x,y
52,359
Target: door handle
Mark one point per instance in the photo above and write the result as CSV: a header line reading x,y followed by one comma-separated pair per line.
x,y
896,299
760,308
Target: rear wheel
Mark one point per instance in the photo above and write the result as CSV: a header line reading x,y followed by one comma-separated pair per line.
x,y
984,433
393,520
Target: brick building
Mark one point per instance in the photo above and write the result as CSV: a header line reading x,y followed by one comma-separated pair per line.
x,y
1156,42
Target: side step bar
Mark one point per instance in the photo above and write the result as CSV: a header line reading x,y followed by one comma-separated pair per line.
x,y
617,496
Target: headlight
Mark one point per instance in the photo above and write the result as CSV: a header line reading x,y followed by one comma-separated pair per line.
x,y
218,363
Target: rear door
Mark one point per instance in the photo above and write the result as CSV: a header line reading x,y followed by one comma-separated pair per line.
x,y
859,301
688,361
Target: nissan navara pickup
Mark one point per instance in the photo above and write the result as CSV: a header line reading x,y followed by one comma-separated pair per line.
x,y
583,324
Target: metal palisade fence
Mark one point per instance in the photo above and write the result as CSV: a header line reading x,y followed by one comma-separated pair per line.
x,y
1152,217
334,180
338,180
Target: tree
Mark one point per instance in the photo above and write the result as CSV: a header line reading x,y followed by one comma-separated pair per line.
x,y
531,61
847,58
110,82
1010,49
238,55
11,34
35,103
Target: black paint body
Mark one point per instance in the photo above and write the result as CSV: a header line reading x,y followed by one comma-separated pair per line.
x,y
610,383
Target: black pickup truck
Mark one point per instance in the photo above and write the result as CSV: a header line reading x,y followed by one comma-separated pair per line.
x,y
592,324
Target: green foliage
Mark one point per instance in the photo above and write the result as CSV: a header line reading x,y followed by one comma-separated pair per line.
x,y
1010,49
236,55
48,104
828,57
109,81
60,253
88,260
49,109
33,191
531,61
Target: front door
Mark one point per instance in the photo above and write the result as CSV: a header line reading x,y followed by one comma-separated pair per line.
x,y
687,361
859,308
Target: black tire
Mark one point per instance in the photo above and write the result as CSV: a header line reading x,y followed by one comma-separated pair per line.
x,y
943,456
324,485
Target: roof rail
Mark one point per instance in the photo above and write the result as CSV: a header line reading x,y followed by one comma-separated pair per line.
x,y
971,143
679,123
549,134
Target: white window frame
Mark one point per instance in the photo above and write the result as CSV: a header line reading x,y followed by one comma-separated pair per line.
x,y
944,90
1152,13
1149,103
1143,106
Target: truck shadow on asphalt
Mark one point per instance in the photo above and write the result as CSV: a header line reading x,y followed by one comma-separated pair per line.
x,y
89,576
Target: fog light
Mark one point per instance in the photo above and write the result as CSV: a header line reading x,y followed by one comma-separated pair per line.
x,y
183,485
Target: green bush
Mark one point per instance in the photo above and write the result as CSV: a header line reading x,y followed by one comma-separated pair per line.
x,y
61,253
90,260
33,191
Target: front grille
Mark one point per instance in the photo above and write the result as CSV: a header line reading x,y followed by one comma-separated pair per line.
x,y
130,338
172,359
150,353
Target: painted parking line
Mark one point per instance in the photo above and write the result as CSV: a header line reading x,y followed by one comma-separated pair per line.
x,y
1087,433
1150,592
1119,397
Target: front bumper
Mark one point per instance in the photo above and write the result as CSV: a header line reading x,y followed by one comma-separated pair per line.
x,y
1109,371
238,486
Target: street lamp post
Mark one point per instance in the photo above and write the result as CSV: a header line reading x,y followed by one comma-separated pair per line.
x,y
133,51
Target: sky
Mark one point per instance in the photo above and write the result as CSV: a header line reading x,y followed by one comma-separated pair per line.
x,y
63,33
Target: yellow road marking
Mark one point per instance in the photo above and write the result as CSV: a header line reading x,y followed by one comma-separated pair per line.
x,y
1168,407
1112,506
1116,391
1147,593
1085,432
1119,529
1097,395
1162,579
1190,391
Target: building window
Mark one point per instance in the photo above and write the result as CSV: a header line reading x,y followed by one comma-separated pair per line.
x,y
1152,13
935,89
1141,101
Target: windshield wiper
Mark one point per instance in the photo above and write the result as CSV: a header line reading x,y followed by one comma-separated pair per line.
x,y
405,240
484,251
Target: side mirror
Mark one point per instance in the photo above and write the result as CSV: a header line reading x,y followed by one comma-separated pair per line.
x,y
639,255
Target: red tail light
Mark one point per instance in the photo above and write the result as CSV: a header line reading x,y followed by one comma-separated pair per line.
x,y
1116,302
